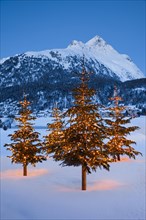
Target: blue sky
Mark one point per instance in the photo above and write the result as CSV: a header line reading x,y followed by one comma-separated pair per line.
x,y
28,25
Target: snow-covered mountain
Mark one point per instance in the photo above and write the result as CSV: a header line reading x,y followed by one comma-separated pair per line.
x,y
50,74
100,56
97,51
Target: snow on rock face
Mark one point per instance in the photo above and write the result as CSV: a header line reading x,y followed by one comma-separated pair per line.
x,y
3,60
75,43
121,64
96,41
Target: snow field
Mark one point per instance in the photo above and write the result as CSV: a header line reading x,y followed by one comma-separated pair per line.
x,y
51,192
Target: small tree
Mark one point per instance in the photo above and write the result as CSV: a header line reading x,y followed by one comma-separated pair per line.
x,y
84,137
118,130
53,143
26,147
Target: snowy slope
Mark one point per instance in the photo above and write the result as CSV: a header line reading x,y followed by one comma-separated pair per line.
x,y
51,192
95,49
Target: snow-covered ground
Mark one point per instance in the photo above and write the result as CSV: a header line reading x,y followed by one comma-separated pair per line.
x,y
52,192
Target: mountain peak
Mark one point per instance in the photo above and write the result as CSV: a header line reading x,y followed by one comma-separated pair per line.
x,y
76,43
96,41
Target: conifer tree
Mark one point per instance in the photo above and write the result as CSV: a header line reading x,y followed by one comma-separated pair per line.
x,y
84,137
118,130
53,143
26,147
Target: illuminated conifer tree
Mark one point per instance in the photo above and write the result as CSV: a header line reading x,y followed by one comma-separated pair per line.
x,y
54,141
26,147
84,137
118,130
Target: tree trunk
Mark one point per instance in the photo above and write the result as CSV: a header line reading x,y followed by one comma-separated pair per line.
x,y
24,170
83,178
118,156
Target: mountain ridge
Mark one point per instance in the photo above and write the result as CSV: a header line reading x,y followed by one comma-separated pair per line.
x,y
49,76
96,50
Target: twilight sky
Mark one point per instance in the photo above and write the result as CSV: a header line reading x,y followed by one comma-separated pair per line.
x,y
34,25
